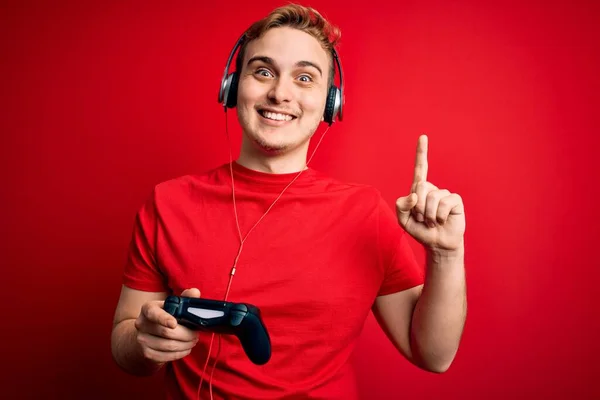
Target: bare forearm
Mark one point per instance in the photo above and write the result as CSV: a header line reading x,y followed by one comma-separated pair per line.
x,y
127,352
440,312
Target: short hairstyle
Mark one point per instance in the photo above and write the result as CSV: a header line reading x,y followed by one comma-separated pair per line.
x,y
303,18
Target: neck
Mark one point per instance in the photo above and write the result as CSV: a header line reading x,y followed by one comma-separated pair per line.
x,y
284,163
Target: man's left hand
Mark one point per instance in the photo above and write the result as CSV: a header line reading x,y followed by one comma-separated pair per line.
x,y
434,217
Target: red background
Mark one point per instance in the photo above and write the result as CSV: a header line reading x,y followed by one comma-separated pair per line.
x,y
102,100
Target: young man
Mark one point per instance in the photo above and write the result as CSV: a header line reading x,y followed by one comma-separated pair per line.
x,y
314,254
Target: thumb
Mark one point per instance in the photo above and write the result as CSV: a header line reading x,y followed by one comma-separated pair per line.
x,y
192,292
403,207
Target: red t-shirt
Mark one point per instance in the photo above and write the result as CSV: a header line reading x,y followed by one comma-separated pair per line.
x,y
314,266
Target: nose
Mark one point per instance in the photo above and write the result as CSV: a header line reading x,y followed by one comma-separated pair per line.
x,y
281,91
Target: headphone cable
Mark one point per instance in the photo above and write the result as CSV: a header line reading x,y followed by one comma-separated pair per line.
x,y
242,241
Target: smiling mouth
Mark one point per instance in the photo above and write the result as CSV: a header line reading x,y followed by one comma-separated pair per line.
x,y
275,116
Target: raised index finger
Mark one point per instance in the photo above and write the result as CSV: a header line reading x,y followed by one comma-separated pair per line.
x,y
421,161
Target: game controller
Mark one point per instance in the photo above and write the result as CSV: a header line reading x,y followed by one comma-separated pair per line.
x,y
240,319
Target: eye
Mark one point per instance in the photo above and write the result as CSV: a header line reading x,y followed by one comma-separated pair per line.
x,y
305,78
263,72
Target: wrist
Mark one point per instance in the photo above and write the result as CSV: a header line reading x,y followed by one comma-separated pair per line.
x,y
446,256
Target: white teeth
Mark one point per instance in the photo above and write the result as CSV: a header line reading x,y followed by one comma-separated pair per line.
x,y
276,116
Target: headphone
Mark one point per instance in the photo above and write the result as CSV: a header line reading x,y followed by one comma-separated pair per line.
x,y
335,97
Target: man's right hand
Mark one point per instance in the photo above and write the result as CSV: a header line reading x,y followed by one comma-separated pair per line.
x,y
161,338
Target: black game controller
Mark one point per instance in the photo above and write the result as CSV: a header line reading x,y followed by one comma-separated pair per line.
x,y
239,319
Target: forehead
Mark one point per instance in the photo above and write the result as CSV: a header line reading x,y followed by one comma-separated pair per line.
x,y
287,46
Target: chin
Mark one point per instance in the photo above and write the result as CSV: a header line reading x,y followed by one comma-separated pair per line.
x,y
270,148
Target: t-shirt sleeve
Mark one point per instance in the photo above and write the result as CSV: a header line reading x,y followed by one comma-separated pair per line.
x,y
142,270
399,264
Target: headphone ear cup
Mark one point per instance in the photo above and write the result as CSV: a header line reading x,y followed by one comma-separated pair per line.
x,y
231,90
330,105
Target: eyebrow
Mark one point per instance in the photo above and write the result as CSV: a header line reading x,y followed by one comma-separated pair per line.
x,y
270,61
